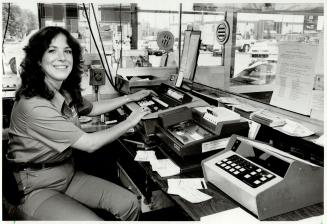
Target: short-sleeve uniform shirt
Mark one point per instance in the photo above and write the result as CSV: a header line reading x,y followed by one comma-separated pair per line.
x,y
42,131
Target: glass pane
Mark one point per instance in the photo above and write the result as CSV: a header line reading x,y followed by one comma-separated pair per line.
x,y
257,46
210,50
16,32
150,25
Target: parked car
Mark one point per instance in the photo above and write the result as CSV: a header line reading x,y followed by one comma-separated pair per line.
x,y
153,48
217,50
243,45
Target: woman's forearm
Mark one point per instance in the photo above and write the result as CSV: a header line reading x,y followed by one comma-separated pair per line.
x,y
90,142
104,106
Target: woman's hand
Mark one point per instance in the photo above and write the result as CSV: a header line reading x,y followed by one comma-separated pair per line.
x,y
139,95
137,115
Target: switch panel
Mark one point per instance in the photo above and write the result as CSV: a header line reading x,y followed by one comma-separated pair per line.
x,y
97,76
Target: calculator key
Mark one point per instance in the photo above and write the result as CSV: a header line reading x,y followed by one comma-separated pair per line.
x,y
242,169
269,175
219,162
253,173
247,176
227,167
233,164
237,167
257,182
224,164
263,179
229,162
258,170
232,170
236,172
224,160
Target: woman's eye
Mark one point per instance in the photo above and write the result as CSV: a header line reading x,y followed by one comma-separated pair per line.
x,y
68,51
51,50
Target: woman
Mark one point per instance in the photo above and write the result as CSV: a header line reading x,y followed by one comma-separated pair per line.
x,y
44,128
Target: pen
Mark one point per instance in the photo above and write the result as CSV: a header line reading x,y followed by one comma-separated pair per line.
x,y
202,184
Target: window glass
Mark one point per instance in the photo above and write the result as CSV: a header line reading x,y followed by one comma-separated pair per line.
x,y
210,51
150,24
16,31
258,37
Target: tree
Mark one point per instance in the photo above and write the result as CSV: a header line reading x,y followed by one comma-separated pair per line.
x,y
20,23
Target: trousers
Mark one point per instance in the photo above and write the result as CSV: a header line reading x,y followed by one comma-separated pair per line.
x,y
61,193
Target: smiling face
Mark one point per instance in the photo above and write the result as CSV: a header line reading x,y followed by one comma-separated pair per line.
x,y
57,60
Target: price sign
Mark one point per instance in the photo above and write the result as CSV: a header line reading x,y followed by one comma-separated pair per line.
x,y
222,32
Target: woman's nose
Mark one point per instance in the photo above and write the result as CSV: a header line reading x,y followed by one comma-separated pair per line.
x,y
61,56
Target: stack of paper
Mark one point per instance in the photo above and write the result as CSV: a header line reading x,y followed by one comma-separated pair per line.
x,y
267,118
187,188
164,167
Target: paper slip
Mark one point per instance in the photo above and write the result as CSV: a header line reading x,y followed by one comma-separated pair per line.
x,y
293,128
145,156
165,167
214,145
195,183
189,194
235,215
320,140
238,215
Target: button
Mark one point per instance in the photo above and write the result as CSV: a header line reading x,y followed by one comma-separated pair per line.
x,y
257,182
236,172
224,160
263,178
229,162
219,162
253,173
237,167
232,170
269,175
224,164
247,176
233,164
242,169
259,170
227,167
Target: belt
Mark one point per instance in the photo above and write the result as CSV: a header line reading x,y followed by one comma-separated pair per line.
x,y
38,166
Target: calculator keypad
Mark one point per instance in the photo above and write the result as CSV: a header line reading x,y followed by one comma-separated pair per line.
x,y
245,171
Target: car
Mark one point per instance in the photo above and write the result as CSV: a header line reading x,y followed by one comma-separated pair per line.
x,y
217,50
153,48
203,47
243,45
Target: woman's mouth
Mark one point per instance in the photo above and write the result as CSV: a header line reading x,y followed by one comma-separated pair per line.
x,y
60,66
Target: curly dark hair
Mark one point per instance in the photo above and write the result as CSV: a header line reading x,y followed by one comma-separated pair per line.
x,y
33,76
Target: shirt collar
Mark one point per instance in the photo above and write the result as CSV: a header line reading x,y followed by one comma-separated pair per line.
x,y
58,100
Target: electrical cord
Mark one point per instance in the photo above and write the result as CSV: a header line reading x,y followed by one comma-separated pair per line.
x,y
96,22
88,21
6,28
4,37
